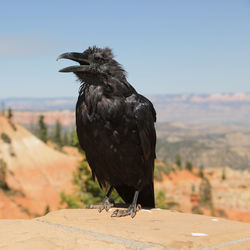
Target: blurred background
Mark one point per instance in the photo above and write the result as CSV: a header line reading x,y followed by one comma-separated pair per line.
x,y
190,58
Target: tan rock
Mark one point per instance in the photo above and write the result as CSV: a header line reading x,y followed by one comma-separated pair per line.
x,y
155,229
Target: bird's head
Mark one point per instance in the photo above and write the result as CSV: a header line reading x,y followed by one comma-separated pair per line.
x,y
96,65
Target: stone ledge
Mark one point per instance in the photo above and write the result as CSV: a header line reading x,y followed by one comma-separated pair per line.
x,y
154,229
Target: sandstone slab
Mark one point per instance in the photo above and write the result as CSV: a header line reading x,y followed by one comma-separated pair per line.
x,y
150,229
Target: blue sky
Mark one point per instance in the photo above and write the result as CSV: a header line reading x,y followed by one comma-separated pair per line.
x,y
165,46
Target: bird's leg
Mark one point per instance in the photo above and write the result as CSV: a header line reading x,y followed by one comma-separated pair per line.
x,y
131,210
106,204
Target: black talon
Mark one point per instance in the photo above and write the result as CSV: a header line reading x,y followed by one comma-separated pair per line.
x,y
106,204
131,210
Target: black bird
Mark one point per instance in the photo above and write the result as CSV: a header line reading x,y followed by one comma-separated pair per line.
x,y
115,128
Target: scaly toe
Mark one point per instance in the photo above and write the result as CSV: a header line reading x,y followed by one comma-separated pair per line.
x,y
130,211
106,204
100,208
114,214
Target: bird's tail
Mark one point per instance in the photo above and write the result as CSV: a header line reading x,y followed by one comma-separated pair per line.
x,y
146,196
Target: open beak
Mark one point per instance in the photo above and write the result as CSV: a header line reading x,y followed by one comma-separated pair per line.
x,y
77,57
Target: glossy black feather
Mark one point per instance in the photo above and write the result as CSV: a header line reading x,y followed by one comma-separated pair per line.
x,y
115,127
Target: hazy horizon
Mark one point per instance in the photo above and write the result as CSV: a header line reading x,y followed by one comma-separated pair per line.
x,y
146,94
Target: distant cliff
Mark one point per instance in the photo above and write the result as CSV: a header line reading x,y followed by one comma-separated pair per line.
x,y
215,108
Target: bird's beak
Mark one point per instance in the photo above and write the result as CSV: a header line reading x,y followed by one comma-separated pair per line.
x,y
77,57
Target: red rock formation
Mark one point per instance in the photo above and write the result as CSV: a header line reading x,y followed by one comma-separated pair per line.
x,y
35,169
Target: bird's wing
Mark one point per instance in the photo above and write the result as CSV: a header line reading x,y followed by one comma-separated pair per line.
x,y
145,117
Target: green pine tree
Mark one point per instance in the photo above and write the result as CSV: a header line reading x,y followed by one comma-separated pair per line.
x,y
223,176
10,114
57,138
74,140
160,199
189,166
65,140
178,161
201,172
206,193
47,210
3,173
42,129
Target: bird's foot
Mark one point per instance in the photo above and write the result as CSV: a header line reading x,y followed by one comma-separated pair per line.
x,y
106,204
131,210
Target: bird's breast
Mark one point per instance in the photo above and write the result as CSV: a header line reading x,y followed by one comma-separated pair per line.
x,y
107,117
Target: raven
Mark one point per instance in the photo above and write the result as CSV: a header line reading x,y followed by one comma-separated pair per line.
x,y
115,128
